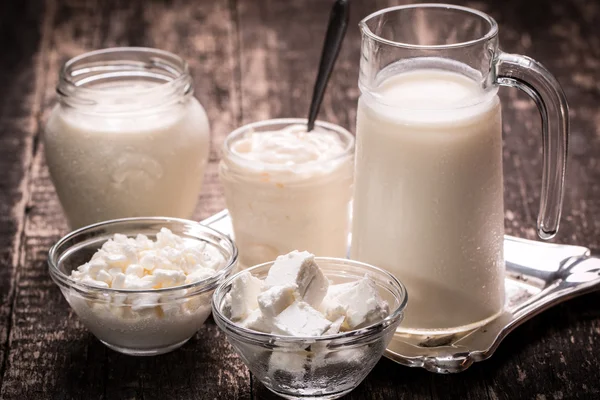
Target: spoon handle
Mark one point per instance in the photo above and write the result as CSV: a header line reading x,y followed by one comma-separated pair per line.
x,y
336,29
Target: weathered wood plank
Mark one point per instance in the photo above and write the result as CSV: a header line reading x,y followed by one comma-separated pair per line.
x,y
51,354
19,106
45,335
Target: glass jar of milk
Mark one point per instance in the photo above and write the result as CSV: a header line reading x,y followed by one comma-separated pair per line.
x,y
428,193
127,138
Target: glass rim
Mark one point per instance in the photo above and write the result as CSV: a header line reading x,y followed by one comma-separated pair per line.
x,y
262,337
235,135
174,83
203,285
491,33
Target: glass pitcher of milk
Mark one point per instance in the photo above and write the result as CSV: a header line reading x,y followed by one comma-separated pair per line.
x,y
428,201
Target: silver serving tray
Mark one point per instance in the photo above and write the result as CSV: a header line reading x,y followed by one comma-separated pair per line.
x,y
538,276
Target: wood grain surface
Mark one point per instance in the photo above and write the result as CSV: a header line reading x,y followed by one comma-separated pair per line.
x,y
252,60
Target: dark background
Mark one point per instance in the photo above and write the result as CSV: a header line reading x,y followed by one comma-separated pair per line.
x,y
253,60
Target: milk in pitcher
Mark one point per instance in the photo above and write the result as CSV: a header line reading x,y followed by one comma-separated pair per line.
x,y
428,203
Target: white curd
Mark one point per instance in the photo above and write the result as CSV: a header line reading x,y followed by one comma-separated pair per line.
x,y
146,320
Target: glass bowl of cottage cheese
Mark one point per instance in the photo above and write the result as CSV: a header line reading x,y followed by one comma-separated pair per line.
x,y
142,286
310,327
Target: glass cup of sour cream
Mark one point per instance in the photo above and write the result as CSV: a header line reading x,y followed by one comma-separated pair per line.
x,y
287,189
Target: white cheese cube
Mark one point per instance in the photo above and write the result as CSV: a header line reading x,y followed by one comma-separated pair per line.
x,y
276,299
292,362
332,309
359,301
257,322
299,268
343,357
335,290
300,319
336,326
244,292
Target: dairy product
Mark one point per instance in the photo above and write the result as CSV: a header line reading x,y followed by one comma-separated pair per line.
x,y
428,199
287,188
257,321
300,270
300,319
139,263
146,319
289,147
358,301
296,299
243,295
129,163
276,299
336,325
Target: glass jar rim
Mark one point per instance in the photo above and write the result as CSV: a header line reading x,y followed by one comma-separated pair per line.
x,y
490,34
203,285
357,334
169,72
239,133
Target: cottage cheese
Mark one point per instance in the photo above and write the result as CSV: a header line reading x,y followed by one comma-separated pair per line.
x,y
146,320
140,263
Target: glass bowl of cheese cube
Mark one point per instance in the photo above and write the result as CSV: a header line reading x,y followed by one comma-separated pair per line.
x,y
143,286
310,327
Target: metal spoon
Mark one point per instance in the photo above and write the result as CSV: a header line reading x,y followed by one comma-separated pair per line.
x,y
336,30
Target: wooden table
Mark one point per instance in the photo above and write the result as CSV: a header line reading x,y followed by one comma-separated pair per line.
x,y
253,60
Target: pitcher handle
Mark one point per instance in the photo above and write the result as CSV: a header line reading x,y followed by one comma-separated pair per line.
x,y
534,79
